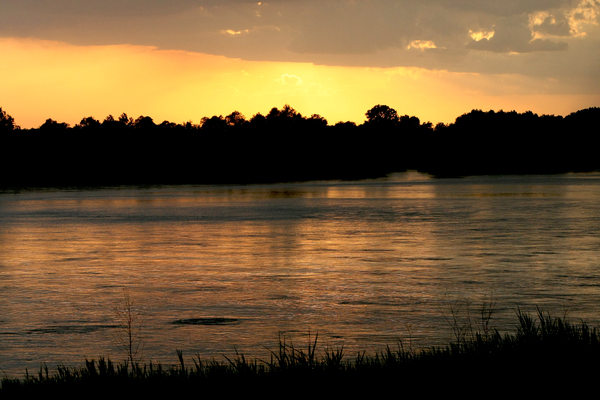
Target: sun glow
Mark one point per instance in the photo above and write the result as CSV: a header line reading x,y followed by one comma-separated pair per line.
x,y
67,83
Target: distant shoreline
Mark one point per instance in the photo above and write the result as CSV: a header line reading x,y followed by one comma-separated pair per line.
x,y
285,146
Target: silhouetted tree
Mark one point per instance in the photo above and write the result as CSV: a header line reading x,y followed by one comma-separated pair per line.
x,y
258,118
440,126
144,123
258,122
428,126
7,123
235,119
382,113
124,119
110,125
288,111
167,125
347,124
408,122
89,123
287,114
52,125
584,138
316,121
213,123
189,125
285,146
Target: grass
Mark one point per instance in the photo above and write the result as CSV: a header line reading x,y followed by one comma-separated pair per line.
x,y
545,355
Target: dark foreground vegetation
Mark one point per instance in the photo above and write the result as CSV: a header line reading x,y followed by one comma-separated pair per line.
x,y
284,146
546,356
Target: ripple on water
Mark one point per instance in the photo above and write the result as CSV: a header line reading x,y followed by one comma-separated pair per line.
x,y
70,329
207,321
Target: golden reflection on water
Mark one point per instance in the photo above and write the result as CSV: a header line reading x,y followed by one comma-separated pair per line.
x,y
358,262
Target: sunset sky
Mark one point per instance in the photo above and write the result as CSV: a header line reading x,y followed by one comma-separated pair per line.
x,y
181,60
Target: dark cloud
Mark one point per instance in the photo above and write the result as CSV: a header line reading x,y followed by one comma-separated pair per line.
x,y
438,34
350,28
505,8
514,35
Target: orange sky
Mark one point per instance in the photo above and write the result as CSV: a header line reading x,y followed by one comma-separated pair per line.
x,y
65,82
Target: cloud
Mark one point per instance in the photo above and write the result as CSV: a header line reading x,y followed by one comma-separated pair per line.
x,y
514,35
231,32
545,24
586,14
480,35
456,35
421,45
287,79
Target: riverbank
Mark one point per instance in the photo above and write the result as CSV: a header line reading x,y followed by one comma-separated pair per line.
x,y
285,146
544,355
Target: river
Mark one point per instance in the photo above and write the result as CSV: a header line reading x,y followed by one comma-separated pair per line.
x,y
210,269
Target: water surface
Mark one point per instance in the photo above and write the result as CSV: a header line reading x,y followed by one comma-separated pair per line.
x,y
362,263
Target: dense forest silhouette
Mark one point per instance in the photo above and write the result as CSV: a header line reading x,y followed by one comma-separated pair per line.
x,y
284,146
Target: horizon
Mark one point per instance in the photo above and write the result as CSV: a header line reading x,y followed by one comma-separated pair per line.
x,y
265,113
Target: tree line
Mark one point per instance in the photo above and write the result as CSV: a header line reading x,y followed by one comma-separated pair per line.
x,y
284,145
